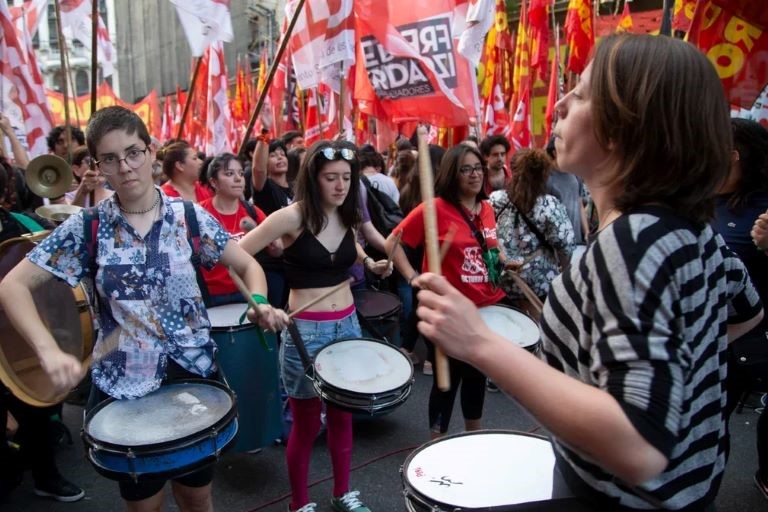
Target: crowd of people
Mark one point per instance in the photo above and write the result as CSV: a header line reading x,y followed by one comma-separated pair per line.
x,y
647,310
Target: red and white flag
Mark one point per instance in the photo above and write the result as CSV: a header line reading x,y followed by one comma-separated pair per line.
x,y
34,11
76,23
218,136
521,122
204,21
317,118
22,85
322,42
496,121
479,20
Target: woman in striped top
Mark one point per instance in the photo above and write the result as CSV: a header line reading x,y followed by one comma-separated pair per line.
x,y
635,332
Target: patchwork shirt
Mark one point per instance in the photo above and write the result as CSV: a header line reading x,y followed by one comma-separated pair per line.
x,y
149,304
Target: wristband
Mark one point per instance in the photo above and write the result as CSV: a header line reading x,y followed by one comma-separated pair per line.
x,y
258,299
366,259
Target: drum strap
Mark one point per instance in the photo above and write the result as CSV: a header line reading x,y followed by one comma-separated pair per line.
x,y
90,233
303,355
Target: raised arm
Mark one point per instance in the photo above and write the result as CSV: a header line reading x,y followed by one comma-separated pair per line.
x,y
259,164
20,155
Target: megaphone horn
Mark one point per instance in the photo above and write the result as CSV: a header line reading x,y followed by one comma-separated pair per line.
x,y
48,176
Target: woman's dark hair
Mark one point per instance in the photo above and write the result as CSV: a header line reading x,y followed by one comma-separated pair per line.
x,y
171,154
410,192
530,171
750,140
659,106
294,163
277,144
217,164
79,154
308,190
405,166
8,198
447,176
75,132
202,176
369,157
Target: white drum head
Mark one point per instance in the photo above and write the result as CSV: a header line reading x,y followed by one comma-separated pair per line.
x,y
511,324
227,316
363,366
487,469
172,412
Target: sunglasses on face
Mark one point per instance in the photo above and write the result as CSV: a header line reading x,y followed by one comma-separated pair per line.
x,y
335,154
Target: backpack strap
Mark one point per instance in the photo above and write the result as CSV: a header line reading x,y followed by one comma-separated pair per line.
x,y
193,236
90,236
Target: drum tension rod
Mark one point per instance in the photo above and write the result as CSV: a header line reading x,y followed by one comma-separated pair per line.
x,y
215,438
134,475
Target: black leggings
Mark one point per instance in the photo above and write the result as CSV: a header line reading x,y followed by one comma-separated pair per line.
x,y
441,402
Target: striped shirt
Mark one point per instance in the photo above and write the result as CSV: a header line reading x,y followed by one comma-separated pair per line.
x,y
643,316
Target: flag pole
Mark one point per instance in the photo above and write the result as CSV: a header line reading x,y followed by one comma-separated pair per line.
x,y
270,76
94,53
64,73
341,98
190,92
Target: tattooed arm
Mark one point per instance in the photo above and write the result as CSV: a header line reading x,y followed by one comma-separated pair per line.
x,y
16,299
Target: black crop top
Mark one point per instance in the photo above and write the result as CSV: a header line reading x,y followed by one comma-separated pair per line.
x,y
308,264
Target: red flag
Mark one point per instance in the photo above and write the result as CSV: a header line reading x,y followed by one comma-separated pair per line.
x,y
554,91
408,66
521,74
683,14
625,23
22,83
316,127
579,33
538,22
521,122
735,47
166,130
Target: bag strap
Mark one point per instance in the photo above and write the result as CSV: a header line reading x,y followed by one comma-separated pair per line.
x,y
249,209
90,235
535,230
193,236
475,232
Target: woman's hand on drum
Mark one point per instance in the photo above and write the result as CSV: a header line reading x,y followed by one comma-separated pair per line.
x,y
448,318
65,370
269,318
381,268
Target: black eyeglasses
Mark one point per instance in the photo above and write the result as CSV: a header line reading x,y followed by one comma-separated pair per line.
x,y
468,170
134,158
334,154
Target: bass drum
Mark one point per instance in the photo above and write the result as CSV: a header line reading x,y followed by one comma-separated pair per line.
x,y
66,312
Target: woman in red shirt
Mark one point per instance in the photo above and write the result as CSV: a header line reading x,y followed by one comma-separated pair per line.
x,y
182,166
459,203
227,178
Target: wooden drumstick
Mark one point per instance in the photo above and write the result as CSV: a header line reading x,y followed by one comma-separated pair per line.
x,y
244,291
447,241
396,242
529,294
426,180
321,297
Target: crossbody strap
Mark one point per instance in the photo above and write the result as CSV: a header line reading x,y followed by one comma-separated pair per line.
x,y
543,241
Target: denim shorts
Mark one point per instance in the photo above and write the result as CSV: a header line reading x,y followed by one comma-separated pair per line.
x,y
315,336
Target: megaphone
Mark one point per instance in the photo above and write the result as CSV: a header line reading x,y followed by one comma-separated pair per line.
x,y
57,212
49,176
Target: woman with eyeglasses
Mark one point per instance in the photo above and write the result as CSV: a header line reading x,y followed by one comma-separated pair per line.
x,y
461,208
181,164
88,180
154,327
318,235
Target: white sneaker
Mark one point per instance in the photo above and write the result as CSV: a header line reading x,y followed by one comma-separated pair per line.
x,y
309,507
349,503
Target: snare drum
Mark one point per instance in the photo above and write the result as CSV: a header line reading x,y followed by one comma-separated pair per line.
x,y
362,375
66,312
513,325
382,311
251,371
492,470
176,430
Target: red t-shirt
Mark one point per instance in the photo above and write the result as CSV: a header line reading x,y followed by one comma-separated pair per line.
x,y
201,191
463,264
217,279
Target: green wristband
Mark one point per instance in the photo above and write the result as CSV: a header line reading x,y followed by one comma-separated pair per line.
x,y
259,299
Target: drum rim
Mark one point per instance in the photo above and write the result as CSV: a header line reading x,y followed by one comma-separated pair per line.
x,y
159,448
522,312
9,379
389,313
230,328
410,492
409,382
373,410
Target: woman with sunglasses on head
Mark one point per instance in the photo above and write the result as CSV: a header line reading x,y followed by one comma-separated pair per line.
x,y
318,234
181,164
460,205
635,333
153,324
227,179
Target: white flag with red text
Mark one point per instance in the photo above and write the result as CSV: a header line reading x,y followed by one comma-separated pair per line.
x,y
322,42
204,21
23,94
218,135
76,23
